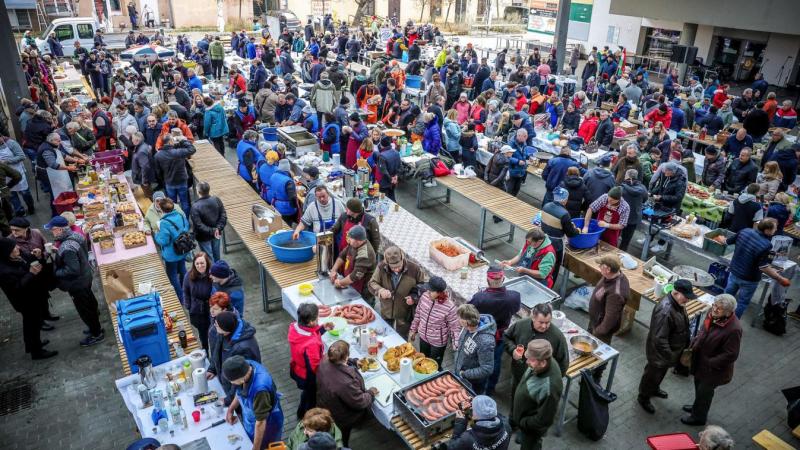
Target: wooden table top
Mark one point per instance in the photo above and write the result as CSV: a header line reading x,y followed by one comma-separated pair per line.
x,y
494,200
238,197
693,307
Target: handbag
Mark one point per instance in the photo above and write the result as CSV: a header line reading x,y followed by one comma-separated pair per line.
x,y
686,358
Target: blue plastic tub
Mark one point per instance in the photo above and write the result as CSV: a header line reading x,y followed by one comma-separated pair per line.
x,y
414,81
586,240
270,133
301,250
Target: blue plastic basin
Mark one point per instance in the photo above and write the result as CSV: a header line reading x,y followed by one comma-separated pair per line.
x,y
414,81
301,250
270,133
586,240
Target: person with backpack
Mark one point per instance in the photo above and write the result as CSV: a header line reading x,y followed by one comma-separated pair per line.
x,y
175,241
249,157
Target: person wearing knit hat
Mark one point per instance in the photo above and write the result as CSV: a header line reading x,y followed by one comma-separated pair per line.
x,y
320,440
557,224
355,215
225,279
73,274
29,240
356,262
394,284
283,192
538,395
612,212
489,431
230,335
635,194
258,398
23,281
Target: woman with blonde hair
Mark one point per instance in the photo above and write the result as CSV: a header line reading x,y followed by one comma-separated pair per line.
x,y
769,180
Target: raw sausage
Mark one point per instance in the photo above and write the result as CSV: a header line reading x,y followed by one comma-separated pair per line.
x,y
450,392
412,397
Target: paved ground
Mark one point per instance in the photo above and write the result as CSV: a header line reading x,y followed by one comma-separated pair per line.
x,y
76,406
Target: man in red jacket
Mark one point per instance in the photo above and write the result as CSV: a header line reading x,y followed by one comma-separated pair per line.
x,y
306,348
661,114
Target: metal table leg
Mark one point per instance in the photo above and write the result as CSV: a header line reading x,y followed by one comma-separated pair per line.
x,y
226,243
419,193
564,281
563,413
511,229
646,245
262,277
612,371
482,228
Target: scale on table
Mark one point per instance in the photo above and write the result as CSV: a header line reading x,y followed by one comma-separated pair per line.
x,y
531,292
329,295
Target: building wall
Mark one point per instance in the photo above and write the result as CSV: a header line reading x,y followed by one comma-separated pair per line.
x,y
780,16
702,40
782,50
203,13
627,28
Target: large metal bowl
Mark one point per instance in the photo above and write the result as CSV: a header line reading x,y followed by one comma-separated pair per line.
x,y
583,345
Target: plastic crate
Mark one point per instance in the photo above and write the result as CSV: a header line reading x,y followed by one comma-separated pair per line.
x,y
115,163
675,441
712,246
65,201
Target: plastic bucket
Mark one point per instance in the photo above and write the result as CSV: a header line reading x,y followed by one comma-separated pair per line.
x,y
270,134
589,239
299,251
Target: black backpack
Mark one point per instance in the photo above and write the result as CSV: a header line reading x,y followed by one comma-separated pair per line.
x,y
184,243
775,317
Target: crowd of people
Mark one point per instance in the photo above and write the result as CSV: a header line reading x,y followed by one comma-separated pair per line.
x,y
463,96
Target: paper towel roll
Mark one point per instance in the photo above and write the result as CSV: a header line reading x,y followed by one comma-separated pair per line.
x,y
197,359
364,340
405,370
200,382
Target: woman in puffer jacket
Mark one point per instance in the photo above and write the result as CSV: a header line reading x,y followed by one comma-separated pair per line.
x,y
435,320
452,134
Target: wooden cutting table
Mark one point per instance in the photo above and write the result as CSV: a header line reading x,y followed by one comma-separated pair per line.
x,y
238,197
490,199
148,268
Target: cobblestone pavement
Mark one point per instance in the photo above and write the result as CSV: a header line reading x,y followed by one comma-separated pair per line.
x,y
76,405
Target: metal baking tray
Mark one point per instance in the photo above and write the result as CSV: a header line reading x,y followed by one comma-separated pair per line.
x,y
329,295
411,416
531,291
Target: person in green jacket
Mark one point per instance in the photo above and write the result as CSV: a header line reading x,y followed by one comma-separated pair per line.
x,y
441,59
536,398
315,420
523,331
216,52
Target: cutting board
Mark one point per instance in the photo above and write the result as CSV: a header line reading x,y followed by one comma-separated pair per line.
x,y
386,388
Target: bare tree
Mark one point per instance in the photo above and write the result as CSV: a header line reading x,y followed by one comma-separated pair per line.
x,y
422,4
362,6
447,12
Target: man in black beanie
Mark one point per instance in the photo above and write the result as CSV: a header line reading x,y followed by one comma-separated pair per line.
x,y
257,395
231,336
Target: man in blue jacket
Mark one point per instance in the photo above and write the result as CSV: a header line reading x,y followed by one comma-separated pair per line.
x,y
678,116
248,156
518,162
225,279
194,81
555,171
258,397
283,194
521,120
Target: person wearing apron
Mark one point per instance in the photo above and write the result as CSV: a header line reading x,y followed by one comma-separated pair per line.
x,y
352,220
356,263
53,170
320,216
612,213
256,393
537,258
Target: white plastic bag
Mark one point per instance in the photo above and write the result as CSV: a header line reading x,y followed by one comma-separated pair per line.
x,y
579,298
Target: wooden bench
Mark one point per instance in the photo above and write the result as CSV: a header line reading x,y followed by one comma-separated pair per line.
x,y
768,441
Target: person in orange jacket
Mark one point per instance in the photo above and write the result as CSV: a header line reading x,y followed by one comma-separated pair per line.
x,y
173,122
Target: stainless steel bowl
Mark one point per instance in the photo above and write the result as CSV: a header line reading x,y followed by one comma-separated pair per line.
x,y
580,342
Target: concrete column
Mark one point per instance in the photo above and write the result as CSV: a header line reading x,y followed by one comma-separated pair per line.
x,y
688,34
562,27
11,76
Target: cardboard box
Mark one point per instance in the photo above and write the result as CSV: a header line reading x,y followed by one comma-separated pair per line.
x,y
264,226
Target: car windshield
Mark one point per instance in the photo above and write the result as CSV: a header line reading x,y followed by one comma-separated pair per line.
x,y
47,32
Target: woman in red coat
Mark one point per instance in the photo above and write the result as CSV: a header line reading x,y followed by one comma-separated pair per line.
x,y
589,126
306,348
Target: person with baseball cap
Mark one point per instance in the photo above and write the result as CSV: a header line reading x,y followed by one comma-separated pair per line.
x,y
536,400
612,212
489,430
501,304
557,223
258,398
668,336
395,284
356,263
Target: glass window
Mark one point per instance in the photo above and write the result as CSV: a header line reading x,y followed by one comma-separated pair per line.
x,y
23,18
613,35
114,5
64,32
85,31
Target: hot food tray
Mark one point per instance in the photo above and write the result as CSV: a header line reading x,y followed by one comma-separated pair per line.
x,y
429,406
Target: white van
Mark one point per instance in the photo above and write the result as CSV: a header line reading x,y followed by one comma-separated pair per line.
x,y
67,31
